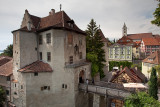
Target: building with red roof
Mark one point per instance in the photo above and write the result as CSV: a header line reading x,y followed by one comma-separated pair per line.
x,y
150,45
49,61
151,61
6,71
128,76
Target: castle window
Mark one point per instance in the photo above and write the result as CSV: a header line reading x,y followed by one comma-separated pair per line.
x,y
45,88
71,59
40,39
40,55
15,85
48,56
8,78
21,86
7,92
36,74
48,38
63,85
80,55
70,39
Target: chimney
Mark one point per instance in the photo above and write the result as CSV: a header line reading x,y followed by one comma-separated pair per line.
x,y
136,68
52,12
29,25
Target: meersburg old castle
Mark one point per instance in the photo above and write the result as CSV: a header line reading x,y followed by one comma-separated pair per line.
x,y
49,61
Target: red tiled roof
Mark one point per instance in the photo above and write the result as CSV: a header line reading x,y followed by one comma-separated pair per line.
x,y
151,41
4,59
7,68
37,66
140,36
125,40
59,20
130,73
154,58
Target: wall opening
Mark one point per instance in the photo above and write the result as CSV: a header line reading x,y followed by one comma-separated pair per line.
x,y
81,77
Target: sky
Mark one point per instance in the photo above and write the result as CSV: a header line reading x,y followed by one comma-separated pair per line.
x,y
109,14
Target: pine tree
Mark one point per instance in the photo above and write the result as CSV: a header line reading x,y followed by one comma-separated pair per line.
x,y
153,86
95,53
2,96
156,14
8,51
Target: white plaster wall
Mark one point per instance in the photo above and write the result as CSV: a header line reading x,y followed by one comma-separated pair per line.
x,y
146,67
24,53
28,45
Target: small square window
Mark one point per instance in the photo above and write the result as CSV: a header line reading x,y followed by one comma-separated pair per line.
x,y
40,39
7,92
71,59
36,74
45,87
48,38
65,86
8,78
62,85
48,56
40,55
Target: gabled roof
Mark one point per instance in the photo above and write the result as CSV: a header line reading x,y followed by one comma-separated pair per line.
x,y
130,73
125,40
151,41
139,36
38,66
102,35
7,68
58,20
4,60
153,58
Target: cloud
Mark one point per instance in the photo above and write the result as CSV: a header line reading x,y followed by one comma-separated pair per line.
x,y
109,14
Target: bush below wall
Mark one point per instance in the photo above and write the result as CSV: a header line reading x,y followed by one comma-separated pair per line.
x,y
118,64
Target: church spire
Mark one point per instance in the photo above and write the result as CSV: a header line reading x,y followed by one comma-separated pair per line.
x,y
124,30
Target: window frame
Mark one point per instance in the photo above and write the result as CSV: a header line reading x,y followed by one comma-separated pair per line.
x,y
49,56
48,38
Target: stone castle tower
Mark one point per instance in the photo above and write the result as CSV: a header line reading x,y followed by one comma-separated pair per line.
x,y
124,30
49,59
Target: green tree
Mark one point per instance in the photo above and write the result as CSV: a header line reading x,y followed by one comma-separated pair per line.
x,y
94,49
156,14
153,86
141,99
2,97
8,51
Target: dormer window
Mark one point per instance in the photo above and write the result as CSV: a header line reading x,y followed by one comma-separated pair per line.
x,y
150,59
70,23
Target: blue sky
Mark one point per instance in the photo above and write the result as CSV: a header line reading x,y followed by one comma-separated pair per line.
x,y
109,14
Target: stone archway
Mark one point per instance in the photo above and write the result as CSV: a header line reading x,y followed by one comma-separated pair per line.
x,y
81,77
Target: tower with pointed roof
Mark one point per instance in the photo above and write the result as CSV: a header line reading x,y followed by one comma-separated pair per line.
x,y
124,30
